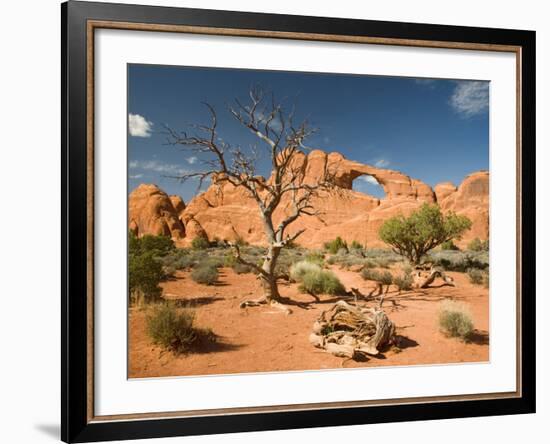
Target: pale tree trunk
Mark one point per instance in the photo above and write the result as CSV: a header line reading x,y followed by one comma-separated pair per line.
x,y
269,279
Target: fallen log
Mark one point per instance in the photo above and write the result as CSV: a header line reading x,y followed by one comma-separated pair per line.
x,y
423,277
351,331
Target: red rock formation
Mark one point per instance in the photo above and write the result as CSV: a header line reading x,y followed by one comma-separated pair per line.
x,y
150,211
471,199
226,212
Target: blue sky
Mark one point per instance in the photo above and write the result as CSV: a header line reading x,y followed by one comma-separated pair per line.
x,y
432,130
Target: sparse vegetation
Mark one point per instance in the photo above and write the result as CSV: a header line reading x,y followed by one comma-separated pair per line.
x,y
449,245
455,320
299,269
403,282
145,269
242,268
385,278
173,329
315,257
478,245
205,273
321,282
479,277
200,243
313,279
356,246
459,260
334,246
414,236
370,275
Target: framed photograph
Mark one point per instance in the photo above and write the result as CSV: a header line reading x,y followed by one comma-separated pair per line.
x,y
276,221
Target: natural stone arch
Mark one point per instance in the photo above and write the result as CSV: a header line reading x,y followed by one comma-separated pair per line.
x,y
368,184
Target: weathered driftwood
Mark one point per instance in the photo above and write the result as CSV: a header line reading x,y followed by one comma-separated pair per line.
x,y
351,331
424,276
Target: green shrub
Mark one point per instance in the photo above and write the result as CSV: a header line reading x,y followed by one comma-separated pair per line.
x,y
356,245
479,277
449,245
299,269
423,230
321,282
173,329
205,273
160,245
200,243
370,274
404,281
385,278
335,245
242,268
185,259
455,320
144,276
383,263
315,257
229,260
478,245
459,260
370,264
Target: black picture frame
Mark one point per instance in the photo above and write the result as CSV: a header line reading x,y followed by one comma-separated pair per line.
x,y
76,423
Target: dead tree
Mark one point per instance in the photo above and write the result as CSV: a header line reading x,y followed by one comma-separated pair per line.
x,y
350,331
424,276
226,163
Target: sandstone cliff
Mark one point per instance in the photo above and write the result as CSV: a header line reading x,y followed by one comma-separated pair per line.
x,y
225,212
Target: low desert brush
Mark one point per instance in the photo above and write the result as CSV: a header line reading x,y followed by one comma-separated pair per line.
x,y
299,269
321,282
173,329
205,274
455,320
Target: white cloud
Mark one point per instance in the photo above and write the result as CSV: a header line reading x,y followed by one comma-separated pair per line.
x,y
368,179
136,176
470,98
168,169
381,163
191,160
139,126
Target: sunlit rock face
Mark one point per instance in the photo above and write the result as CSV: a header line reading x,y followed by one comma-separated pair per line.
x,y
226,212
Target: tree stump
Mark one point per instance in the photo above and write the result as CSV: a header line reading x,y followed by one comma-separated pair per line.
x,y
351,332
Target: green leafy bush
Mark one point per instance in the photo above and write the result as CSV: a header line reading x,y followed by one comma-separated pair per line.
x,y
455,320
404,281
356,245
173,329
478,245
459,260
160,245
449,245
299,269
479,277
321,282
144,276
242,268
200,243
315,257
426,228
205,273
335,245
370,274
385,278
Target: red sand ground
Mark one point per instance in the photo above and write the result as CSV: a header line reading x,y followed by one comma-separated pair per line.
x,y
263,339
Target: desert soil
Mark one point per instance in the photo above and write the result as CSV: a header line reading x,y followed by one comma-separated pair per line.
x,y
263,339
